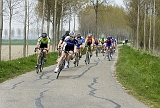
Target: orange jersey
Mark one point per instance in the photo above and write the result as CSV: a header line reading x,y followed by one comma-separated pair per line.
x,y
89,39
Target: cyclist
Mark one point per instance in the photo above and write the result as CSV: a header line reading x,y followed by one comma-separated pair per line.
x,y
60,43
80,44
102,43
67,51
96,43
43,42
108,44
114,44
89,41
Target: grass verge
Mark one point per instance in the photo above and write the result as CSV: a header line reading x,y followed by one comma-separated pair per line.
x,y
139,73
13,68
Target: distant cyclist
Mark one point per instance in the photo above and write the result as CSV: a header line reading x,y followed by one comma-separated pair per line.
x,y
96,43
60,43
102,44
80,45
43,42
114,44
67,51
108,44
89,41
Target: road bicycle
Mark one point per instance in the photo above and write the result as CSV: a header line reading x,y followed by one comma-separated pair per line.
x,y
97,51
41,62
76,62
103,50
109,54
61,66
87,60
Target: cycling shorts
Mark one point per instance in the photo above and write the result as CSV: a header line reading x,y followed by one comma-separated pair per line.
x,y
43,45
68,48
89,43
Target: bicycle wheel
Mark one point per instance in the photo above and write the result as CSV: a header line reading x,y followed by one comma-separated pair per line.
x,y
61,67
88,57
109,55
76,60
96,52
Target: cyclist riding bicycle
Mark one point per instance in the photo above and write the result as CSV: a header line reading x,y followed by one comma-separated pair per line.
x,y
108,44
43,42
114,44
68,47
102,41
96,43
60,43
89,41
80,44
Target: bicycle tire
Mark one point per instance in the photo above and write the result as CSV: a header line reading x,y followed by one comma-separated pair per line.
x,y
96,52
76,60
88,58
109,55
60,68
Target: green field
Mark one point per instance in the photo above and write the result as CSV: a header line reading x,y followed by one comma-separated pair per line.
x,y
139,73
19,42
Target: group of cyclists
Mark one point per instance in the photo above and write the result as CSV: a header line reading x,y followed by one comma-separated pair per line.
x,y
72,43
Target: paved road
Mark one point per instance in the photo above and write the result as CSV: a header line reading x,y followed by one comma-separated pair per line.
x,y
86,86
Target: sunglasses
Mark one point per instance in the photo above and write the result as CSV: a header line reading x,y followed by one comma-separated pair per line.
x,y
71,36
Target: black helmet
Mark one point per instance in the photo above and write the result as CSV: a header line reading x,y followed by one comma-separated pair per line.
x,y
67,33
78,35
44,35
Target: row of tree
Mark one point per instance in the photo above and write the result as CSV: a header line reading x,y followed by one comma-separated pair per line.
x,y
143,18
98,17
139,20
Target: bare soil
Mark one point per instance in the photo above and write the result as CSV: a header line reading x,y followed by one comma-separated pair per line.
x,y
16,51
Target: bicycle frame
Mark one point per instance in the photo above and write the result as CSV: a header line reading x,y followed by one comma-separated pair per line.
x,y
87,61
40,60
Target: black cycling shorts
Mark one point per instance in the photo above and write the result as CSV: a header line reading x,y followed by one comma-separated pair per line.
x,y
68,48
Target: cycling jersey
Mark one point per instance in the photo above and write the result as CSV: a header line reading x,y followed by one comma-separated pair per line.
x,y
108,43
80,41
96,42
102,41
89,39
43,43
69,46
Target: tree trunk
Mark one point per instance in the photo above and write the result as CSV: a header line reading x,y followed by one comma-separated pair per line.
x,y
43,16
55,23
137,28
10,25
154,18
1,25
25,20
144,48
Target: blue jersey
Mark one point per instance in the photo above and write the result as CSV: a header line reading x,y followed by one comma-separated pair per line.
x,y
80,41
70,42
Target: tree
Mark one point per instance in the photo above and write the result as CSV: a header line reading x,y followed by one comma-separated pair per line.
x,y
11,9
1,24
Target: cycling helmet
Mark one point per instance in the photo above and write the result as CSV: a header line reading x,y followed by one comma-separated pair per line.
x,y
72,34
89,35
67,33
44,35
78,35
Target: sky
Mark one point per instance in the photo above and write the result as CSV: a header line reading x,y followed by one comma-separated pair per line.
x,y
119,2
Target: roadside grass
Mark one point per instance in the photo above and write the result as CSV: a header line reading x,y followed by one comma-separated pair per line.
x,y
13,68
139,73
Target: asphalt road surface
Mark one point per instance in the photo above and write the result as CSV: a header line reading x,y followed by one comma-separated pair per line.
x,y
85,86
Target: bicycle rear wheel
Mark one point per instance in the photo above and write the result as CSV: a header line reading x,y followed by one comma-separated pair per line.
x,y
109,55
96,52
76,60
